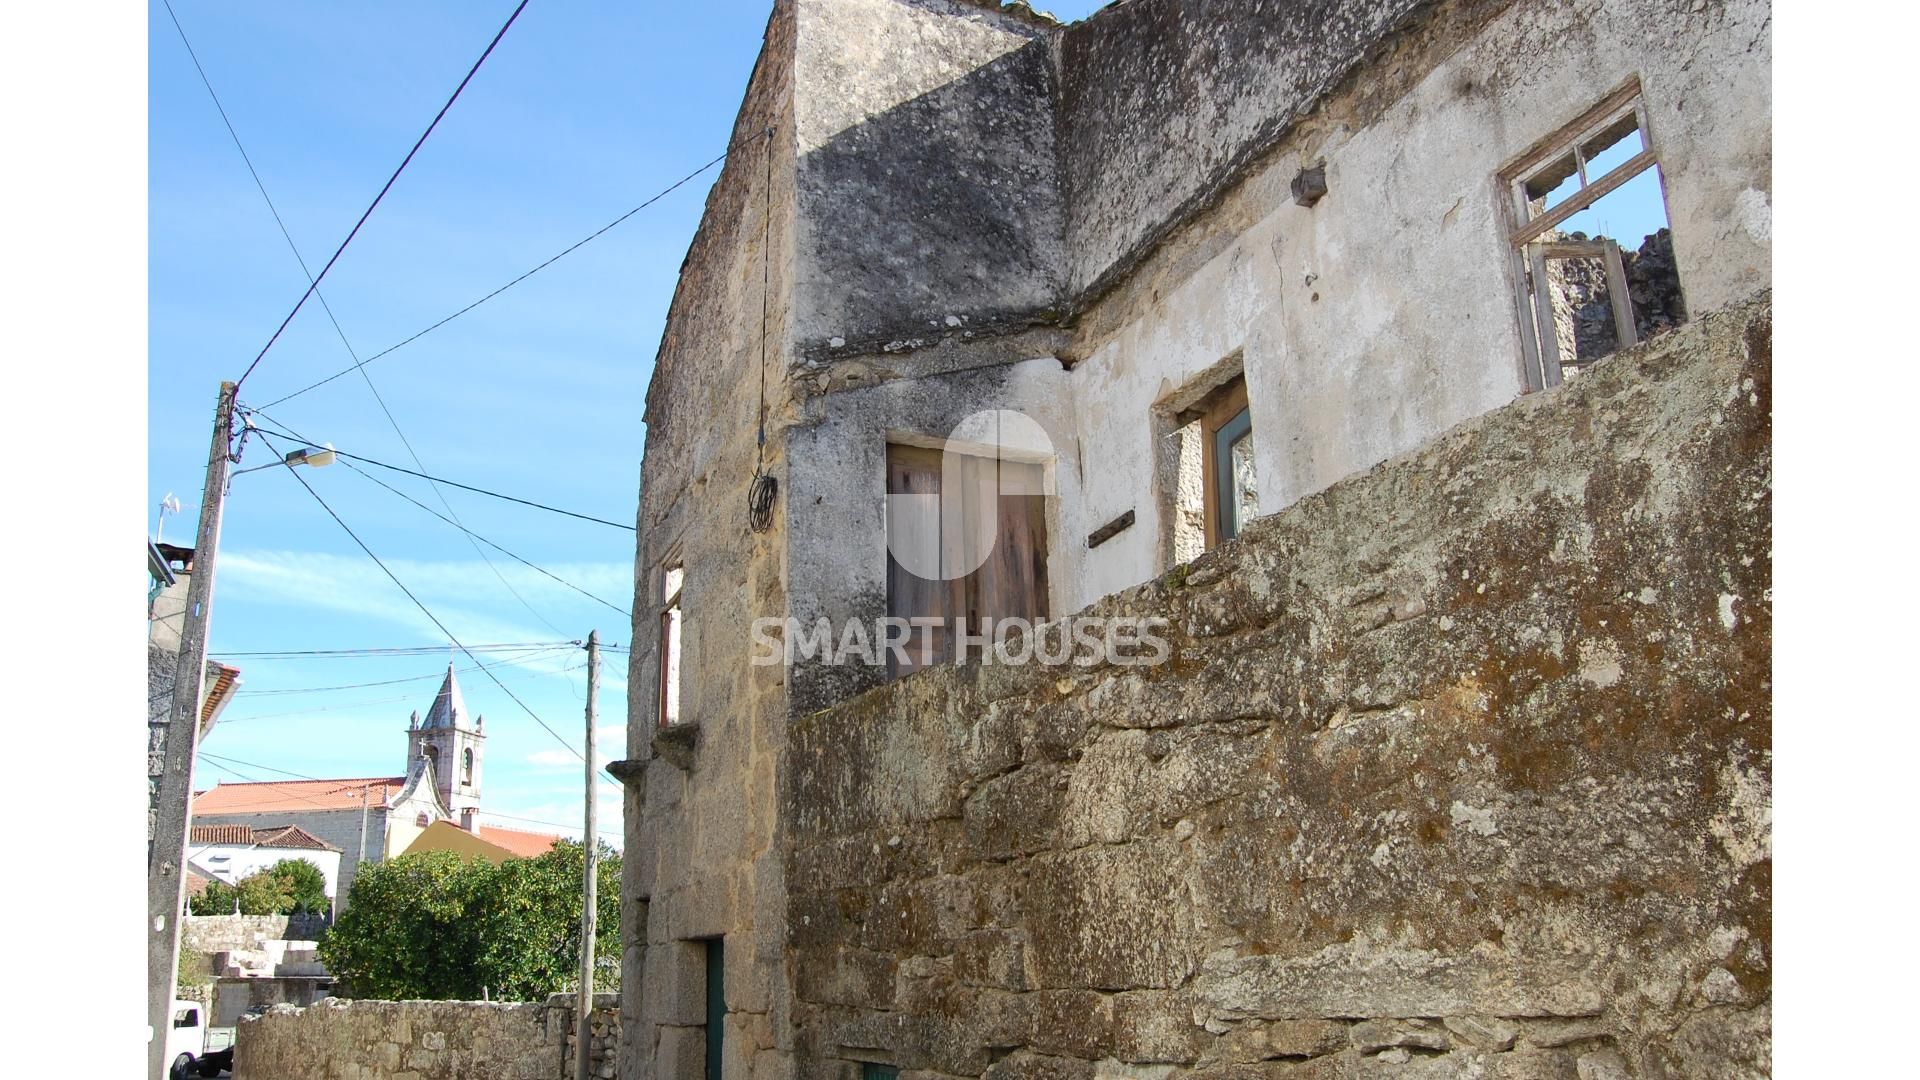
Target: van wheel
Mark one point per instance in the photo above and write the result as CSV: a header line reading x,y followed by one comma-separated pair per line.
x,y
182,1068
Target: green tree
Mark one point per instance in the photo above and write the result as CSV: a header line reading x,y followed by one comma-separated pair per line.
x,y
304,886
285,888
218,898
437,925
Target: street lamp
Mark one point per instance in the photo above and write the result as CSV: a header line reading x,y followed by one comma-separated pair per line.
x,y
318,457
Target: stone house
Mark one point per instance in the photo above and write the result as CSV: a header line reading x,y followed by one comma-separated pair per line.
x,y
1147,276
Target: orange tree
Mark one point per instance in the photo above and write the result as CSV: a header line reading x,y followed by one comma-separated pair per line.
x,y
437,925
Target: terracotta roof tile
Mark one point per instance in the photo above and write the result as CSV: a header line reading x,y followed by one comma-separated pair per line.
x,y
290,836
220,834
282,796
521,843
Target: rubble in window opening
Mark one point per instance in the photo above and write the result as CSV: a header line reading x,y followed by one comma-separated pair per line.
x,y
1583,310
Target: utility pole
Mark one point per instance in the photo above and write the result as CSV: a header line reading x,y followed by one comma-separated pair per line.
x,y
360,853
167,847
590,908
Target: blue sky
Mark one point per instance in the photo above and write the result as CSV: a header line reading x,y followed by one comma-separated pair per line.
x,y
583,111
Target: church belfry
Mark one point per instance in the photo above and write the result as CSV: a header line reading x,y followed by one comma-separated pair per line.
x,y
450,738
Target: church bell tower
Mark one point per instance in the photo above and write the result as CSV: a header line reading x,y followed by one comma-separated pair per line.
x,y
450,738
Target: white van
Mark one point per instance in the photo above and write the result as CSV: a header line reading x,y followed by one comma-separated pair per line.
x,y
188,1053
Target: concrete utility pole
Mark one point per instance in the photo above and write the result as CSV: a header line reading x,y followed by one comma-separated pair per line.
x,y
590,907
167,849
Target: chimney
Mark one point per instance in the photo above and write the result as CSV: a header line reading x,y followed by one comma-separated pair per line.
x,y
470,820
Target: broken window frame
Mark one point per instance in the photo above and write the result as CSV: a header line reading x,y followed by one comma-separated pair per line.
x,y
667,696
1225,418
1527,224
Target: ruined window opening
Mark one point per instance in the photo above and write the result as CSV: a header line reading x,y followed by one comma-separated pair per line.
x,y
1008,498
1224,496
672,579
1582,294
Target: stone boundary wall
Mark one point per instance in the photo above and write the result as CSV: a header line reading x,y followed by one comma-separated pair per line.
x,y
338,1039
233,933
1460,768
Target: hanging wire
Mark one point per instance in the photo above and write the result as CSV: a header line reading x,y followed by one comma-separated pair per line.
x,y
762,489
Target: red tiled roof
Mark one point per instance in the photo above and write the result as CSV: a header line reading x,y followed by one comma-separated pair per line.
x,y
220,684
220,834
273,836
521,843
195,884
282,796
290,836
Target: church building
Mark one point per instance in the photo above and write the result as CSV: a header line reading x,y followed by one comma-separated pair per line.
x,y
373,818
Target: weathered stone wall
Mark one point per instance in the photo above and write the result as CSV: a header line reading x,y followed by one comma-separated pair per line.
x,y
338,1039
700,825
230,933
1460,768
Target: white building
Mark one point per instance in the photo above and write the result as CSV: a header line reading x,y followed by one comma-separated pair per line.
x,y
231,853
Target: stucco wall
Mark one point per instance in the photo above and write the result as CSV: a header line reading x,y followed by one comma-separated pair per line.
x,y
235,861
1384,314
1162,99
1461,766
340,828
336,1039
927,172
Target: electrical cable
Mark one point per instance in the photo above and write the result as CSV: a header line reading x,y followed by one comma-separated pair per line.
x,y
436,619
454,519
382,682
394,650
450,483
763,487
570,249
428,612
332,318
315,283
350,706
472,535
228,762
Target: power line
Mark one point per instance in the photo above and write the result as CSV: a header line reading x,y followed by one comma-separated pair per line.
x,y
450,483
328,308
348,706
381,682
225,764
428,613
315,283
570,249
396,650
474,535
471,534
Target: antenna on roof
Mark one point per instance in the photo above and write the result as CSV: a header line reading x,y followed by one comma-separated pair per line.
x,y
168,505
